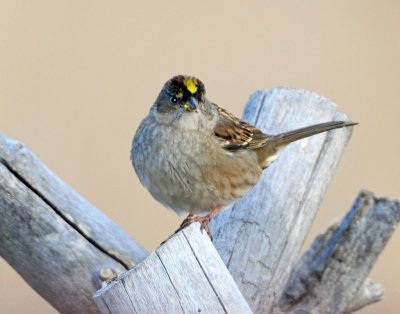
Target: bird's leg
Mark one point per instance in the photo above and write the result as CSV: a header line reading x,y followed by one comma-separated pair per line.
x,y
206,219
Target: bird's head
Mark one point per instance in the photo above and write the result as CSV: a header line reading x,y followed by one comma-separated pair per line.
x,y
181,94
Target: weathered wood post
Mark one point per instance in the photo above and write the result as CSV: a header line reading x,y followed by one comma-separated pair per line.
x,y
186,274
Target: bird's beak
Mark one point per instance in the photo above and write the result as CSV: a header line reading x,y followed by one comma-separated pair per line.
x,y
191,105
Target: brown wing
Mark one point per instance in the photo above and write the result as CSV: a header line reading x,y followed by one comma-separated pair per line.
x,y
235,134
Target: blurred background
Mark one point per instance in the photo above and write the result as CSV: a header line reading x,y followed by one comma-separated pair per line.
x,y
77,77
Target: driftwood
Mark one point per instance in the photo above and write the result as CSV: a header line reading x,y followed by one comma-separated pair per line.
x,y
186,275
57,241
48,231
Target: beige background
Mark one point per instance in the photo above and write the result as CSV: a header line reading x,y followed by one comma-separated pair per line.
x,y
77,77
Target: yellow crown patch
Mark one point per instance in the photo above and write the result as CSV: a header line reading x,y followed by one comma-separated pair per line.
x,y
190,85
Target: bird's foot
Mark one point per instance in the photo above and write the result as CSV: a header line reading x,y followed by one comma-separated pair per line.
x,y
191,219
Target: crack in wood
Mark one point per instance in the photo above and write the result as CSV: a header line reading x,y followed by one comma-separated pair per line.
x,y
122,260
310,182
126,289
170,280
205,274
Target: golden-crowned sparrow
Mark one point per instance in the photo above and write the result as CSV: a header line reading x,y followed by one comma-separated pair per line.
x,y
195,157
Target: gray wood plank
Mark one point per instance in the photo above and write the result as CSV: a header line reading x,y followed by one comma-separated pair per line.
x,y
260,237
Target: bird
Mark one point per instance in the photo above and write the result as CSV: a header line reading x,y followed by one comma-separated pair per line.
x,y
195,157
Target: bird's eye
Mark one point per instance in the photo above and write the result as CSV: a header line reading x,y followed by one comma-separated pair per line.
x,y
174,99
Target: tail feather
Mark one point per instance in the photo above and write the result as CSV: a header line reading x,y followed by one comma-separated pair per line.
x,y
272,148
295,135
